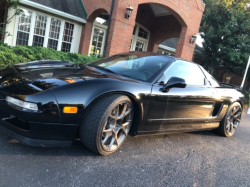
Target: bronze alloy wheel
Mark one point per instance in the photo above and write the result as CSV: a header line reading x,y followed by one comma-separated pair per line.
x,y
107,124
117,126
231,120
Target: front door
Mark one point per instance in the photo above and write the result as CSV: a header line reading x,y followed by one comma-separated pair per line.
x,y
97,41
181,108
140,39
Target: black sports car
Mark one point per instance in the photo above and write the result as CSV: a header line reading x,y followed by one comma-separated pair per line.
x,y
52,103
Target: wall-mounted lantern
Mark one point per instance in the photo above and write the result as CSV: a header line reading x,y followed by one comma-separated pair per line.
x,y
129,11
193,39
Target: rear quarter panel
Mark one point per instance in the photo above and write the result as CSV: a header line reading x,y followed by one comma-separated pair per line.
x,y
237,95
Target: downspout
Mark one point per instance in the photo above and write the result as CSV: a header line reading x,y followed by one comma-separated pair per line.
x,y
110,16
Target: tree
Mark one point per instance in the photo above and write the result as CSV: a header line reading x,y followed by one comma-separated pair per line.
x,y
17,11
225,28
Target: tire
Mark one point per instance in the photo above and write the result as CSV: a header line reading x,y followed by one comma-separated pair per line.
x,y
231,121
106,124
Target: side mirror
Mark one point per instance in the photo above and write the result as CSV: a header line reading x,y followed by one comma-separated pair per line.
x,y
174,82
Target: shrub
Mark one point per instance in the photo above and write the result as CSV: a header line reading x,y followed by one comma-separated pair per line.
x,y
10,56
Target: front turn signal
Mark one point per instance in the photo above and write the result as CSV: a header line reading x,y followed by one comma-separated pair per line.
x,y
70,110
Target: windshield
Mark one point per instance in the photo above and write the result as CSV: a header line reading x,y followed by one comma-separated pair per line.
x,y
140,66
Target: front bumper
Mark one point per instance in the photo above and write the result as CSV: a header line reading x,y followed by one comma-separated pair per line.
x,y
17,124
35,142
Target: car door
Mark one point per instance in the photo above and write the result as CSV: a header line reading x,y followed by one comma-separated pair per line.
x,y
181,108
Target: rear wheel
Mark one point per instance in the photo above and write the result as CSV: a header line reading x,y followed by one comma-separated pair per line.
x,y
231,121
106,124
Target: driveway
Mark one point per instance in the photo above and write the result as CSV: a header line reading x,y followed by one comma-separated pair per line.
x,y
183,159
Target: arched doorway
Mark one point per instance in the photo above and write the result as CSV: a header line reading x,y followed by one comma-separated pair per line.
x,y
98,36
159,22
94,34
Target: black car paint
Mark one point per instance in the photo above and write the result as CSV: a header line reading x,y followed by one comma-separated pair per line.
x,y
157,112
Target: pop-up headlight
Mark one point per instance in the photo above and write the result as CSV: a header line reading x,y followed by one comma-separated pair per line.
x,y
23,104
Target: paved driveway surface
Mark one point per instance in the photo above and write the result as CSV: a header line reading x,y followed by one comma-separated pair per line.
x,y
184,159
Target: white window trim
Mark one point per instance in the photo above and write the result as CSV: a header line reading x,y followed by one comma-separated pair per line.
x,y
98,26
31,33
73,36
137,38
16,29
46,37
59,46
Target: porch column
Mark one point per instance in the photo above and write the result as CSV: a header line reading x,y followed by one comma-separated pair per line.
x,y
155,48
184,48
121,29
85,38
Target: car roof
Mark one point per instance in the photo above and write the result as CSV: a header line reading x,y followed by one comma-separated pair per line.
x,y
153,54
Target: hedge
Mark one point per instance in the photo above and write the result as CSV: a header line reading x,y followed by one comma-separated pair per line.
x,y
14,55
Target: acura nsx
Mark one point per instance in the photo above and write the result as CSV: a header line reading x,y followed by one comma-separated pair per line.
x,y
51,103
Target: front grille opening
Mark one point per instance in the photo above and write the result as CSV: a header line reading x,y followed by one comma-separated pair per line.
x,y
19,123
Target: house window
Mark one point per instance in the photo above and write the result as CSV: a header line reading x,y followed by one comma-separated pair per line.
x,y
139,46
48,31
67,37
39,30
143,33
23,30
54,33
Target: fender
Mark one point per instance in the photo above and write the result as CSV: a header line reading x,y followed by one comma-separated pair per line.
x,y
92,90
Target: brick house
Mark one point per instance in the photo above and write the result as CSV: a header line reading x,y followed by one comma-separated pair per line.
x,y
85,26
168,47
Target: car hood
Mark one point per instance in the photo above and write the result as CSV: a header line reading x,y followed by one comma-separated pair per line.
x,y
27,79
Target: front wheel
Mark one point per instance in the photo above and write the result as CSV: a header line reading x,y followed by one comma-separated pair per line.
x,y
107,124
231,121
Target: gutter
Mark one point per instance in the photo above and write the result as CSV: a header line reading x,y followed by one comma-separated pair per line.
x,y
110,16
51,10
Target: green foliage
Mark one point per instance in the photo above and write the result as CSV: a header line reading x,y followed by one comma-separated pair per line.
x,y
225,29
14,55
17,11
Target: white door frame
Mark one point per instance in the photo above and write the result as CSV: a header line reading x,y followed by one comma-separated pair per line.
x,y
137,38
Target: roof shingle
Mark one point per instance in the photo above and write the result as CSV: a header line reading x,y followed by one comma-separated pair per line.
x,y
72,7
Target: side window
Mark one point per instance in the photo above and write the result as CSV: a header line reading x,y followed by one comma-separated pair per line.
x,y
210,78
186,70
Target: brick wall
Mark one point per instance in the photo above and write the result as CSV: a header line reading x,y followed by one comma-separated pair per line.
x,y
183,23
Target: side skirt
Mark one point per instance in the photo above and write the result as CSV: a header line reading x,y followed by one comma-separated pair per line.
x,y
183,128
